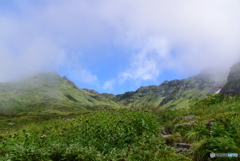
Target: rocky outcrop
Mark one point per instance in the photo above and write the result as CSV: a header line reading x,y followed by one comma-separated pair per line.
x,y
232,87
91,91
108,95
185,124
188,117
183,145
178,150
166,136
10,123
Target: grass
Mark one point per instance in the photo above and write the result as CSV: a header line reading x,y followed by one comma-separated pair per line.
x,y
168,95
124,133
223,137
101,135
46,92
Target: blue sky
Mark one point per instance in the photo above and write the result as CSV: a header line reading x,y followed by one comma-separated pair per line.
x,y
116,46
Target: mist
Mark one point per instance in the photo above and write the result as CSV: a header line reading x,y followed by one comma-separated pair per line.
x,y
185,35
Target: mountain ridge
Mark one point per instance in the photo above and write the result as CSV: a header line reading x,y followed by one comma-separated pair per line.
x,y
232,87
48,92
169,94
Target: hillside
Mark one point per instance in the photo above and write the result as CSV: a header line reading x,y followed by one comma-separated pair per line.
x,y
170,94
232,86
48,92
210,125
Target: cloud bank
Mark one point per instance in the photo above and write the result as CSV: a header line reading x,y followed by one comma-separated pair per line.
x,y
185,35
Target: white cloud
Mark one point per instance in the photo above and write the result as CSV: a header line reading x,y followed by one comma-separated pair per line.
x,y
72,66
146,65
108,85
201,33
85,76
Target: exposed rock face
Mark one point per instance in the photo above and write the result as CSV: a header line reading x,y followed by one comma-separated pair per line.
x,y
108,95
232,87
91,91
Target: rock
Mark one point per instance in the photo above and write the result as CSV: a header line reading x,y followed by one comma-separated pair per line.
x,y
183,145
178,150
188,117
91,91
232,87
185,124
175,119
52,113
235,115
163,130
10,123
65,119
210,124
166,136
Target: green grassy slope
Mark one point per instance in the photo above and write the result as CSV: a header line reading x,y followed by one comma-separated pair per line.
x,y
47,92
126,134
222,137
102,135
170,94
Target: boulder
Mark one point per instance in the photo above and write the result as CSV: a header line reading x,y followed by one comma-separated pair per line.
x,y
166,136
183,145
210,124
175,119
188,117
178,150
163,130
185,124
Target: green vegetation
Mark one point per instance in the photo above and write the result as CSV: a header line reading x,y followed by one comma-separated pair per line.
x,y
170,94
48,118
126,133
222,137
102,135
48,93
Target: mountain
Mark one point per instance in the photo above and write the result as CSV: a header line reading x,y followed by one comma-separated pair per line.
x,y
232,87
171,94
106,95
48,92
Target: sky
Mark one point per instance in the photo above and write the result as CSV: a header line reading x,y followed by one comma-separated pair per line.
x,y
116,46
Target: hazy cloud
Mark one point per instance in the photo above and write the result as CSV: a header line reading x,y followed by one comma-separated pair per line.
x,y
108,85
146,65
186,35
72,66
198,34
85,76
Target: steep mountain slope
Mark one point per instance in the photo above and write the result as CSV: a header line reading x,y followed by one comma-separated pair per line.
x,y
48,92
232,87
171,94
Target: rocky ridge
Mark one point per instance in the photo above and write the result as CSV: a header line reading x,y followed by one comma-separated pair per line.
x,y
232,87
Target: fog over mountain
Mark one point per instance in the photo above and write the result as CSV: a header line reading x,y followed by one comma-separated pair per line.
x,y
156,36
